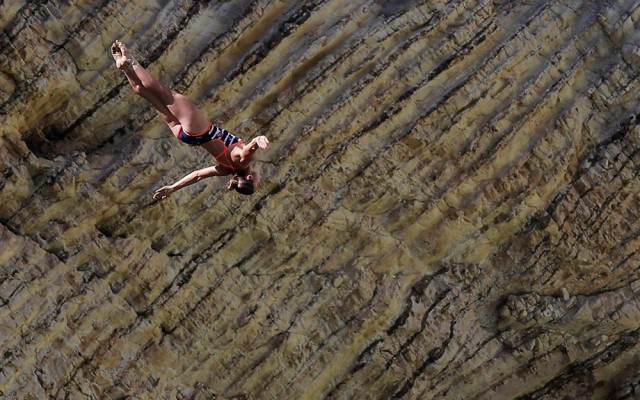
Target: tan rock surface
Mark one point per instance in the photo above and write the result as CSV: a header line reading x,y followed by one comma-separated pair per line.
x,y
449,209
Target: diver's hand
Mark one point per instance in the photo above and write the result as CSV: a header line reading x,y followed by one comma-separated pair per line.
x,y
262,142
163,192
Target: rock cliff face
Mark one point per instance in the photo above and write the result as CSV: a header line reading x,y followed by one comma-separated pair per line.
x,y
449,206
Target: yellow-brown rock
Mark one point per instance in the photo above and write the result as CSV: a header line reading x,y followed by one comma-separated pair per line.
x,y
449,207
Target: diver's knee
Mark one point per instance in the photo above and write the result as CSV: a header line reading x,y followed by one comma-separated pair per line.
x,y
138,88
166,95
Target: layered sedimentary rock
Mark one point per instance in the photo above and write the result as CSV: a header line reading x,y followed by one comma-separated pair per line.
x,y
449,206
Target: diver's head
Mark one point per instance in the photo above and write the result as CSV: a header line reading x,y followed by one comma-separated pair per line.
x,y
244,183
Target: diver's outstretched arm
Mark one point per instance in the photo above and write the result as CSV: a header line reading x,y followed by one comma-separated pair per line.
x,y
257,142
190,179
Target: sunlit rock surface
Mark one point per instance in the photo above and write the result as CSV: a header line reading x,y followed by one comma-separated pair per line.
x,y
449,208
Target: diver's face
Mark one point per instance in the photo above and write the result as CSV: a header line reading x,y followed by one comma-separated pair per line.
x,y
253,176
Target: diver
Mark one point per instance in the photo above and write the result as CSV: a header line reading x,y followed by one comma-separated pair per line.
x,y
189,125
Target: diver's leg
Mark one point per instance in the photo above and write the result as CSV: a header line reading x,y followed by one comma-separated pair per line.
x,y
161,108
176,109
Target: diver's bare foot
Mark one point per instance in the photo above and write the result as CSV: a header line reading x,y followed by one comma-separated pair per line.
x,y
121,55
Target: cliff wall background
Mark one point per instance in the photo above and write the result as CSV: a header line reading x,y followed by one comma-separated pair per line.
x,y
449,206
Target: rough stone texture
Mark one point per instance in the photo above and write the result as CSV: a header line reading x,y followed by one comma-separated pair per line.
x,y
449,210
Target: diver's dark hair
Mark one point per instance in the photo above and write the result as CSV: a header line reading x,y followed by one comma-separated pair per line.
x,y
245,186
242,184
